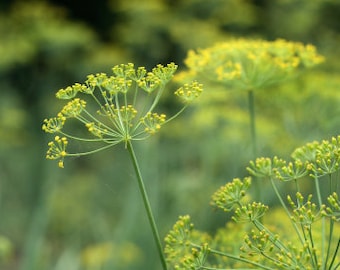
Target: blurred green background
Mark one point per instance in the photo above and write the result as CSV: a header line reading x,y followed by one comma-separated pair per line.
x,y
89,215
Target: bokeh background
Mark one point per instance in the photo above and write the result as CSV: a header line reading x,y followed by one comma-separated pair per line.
x,y
90,215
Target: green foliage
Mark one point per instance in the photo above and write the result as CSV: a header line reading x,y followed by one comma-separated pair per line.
x,y
30,29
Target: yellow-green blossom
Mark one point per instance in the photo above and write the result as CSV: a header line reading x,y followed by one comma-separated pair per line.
x,y
54,125
153,122
150,82
321,157
116,84
189,92
57,150
292,171
71,91
96,129
115,108
96,80
305,213
127,113
66,93
250,64
231,194
73,108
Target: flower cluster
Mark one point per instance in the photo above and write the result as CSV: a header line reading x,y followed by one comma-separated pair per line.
x,y
57,150
313,159
305,213
108,107
250,64
334,209
250,213
231,194
257,243
309,233
179,249
189,92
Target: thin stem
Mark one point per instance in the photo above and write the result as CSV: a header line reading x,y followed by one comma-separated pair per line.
x,y
252,122
331,225
330,237
213,251
159,94
251,110
286,209
178,113
92,151
317,188
146,204
314,257
323,224
334,256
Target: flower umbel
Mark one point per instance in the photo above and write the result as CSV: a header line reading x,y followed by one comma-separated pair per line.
x,y
57,150
153,122
307,212
109,108
231,194
251,64
189,92
54,125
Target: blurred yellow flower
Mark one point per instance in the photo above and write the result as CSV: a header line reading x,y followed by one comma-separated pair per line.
x,y
250,64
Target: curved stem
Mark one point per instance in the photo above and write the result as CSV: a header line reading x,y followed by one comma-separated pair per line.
x,y
178,113
146,203
92,151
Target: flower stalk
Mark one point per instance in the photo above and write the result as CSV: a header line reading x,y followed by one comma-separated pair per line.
x,y
147,205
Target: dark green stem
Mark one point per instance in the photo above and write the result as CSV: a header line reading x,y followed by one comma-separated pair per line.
x,y
146,204
334,256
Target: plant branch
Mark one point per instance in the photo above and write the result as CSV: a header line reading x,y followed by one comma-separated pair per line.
x,y
146,204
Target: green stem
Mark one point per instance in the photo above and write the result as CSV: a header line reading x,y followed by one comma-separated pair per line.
x,y
237,258
331,226
330,238
251,110
252,122
286,210
146,204
334,256
323,225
